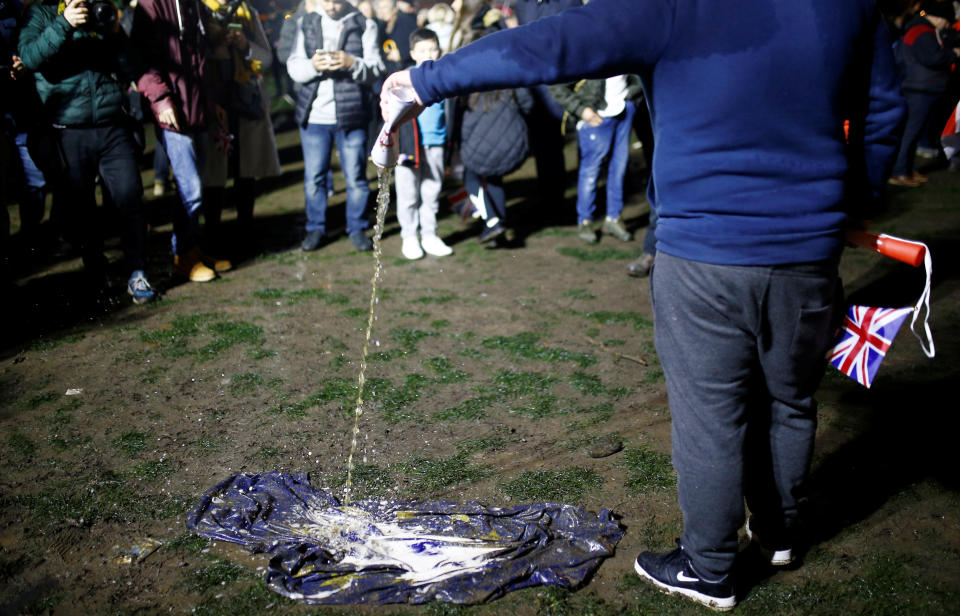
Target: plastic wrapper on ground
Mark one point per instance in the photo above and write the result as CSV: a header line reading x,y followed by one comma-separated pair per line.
x,y
390,551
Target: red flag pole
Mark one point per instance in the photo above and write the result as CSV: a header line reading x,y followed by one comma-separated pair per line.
x,y
910,253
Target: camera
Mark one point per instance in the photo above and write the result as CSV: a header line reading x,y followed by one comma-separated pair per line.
x,y
101,15
224,15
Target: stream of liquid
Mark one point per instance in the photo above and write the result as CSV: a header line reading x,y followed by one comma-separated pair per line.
x,y
384,179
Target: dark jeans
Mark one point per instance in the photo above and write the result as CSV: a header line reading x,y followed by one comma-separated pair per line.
x,y
919,106
494,197
108,151
743,352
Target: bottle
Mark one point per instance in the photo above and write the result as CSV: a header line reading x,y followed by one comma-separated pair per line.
x,y
401,106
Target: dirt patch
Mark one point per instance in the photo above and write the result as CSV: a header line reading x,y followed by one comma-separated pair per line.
x,y
492,374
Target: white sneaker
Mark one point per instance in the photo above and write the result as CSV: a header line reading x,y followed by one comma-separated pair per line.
x,y
433,245
411,248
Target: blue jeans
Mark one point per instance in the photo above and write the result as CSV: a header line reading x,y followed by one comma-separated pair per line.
x,y
317,141
611,137
186,159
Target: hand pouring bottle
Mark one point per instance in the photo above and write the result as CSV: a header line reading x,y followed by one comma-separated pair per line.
x,y
400,108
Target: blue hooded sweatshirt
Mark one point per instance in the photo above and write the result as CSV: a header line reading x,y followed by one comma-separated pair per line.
x,y
749,100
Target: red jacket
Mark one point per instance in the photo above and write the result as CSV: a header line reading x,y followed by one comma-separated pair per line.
x,y
170,35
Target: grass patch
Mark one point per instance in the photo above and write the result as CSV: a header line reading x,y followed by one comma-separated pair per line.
x,y
216,574
258,353
595,255
369,481
439,323
40,399
445,371
97,497
473,408
245,383
187,543
587,384
48,344
579,294
151,470
441,298
471,446
430,476
565,485
527,345
272,294
130,443
607,317
252,598
21,446
516,384
267,453
176,340
335,388
647,471
409,338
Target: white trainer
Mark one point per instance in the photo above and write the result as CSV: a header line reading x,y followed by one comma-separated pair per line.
x,y
435,246
411,248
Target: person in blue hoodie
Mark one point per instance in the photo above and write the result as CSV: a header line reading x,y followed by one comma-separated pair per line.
x,y
756,183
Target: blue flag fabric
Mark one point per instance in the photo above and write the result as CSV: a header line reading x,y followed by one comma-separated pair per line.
x,y
389,551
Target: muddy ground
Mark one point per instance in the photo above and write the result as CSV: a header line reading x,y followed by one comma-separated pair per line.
x,y
493,373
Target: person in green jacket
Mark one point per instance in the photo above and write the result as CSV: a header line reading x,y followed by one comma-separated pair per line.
x,y
83,68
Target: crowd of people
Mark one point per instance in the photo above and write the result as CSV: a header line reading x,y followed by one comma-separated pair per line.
x,y
85,76
773,125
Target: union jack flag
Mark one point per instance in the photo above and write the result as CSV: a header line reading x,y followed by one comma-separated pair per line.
x,y
863,341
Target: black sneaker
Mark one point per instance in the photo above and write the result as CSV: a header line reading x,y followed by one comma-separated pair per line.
x,y
673,573
360,241
491,232
778,555
312,240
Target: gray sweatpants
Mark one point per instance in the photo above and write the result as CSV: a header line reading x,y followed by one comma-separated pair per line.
x,y
418,191
743,350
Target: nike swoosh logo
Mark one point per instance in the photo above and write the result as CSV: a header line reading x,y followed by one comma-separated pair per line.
x,y
683,578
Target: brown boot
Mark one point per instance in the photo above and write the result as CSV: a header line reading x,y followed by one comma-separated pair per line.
x,y
217,265
641,267
191,267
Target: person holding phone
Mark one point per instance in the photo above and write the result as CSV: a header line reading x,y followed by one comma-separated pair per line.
x,y
334,58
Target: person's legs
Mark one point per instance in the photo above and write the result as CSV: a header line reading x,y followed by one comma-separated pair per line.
x,y
121,177
408,194
317,142
594,144
619,157
918,109
802,309
186,159
706,318
79,147
431,181
353,158
33,194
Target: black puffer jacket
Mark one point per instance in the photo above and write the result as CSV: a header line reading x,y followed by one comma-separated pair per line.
x,y
492,133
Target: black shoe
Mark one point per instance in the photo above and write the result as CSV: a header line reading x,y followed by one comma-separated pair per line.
x,y
778,554
673,573
492,232
360,241
312,240
641,267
